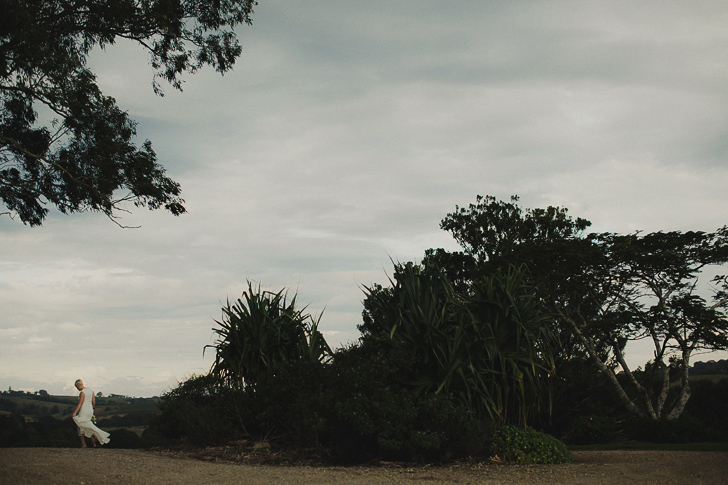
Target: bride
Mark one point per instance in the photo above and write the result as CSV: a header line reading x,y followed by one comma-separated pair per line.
x,y
83,414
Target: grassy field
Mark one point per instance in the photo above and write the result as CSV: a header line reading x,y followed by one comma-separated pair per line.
x,y
711,378
61,407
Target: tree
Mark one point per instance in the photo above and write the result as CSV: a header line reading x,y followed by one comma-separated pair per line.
x,y
654,284
84,158
606,290
260,334
491,349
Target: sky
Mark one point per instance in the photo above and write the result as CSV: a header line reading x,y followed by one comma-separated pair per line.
x,y
345,133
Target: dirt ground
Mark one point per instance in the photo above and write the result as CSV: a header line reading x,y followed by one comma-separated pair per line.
x,y
102,466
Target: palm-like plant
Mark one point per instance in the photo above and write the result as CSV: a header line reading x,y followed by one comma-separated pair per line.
x,y
518,347
262,332
489,347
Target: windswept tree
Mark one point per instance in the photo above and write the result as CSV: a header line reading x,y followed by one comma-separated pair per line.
x,y
607,290
656,292
62,141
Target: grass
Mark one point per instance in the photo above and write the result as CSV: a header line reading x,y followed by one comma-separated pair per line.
x,y
709,377
717,446
59,408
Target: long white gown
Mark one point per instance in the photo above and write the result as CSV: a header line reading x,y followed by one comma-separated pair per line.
x,y
83,419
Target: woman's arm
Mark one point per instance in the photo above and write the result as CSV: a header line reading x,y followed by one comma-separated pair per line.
x,y
81,398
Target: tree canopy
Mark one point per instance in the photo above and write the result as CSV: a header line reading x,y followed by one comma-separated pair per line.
x,y
605,290
62,141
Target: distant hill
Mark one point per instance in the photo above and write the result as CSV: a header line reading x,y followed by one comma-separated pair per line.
x,y
116,408
711,367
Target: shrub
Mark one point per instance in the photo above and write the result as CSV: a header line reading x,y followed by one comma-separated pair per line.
x,y
354,409
587,430
46,432
708,403
203,411
375,415
685,429
123,438
378,414
528,446
151,438
577,391
12,430
291,406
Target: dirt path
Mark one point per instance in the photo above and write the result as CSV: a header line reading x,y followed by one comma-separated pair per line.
x,y
102,466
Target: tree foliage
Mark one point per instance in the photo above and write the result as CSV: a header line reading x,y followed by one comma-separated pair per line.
x,y
491,231
606,289
490,348
62,141
260,334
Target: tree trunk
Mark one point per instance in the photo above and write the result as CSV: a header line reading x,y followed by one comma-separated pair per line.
x,y
662,398
644,394
682,400
591,349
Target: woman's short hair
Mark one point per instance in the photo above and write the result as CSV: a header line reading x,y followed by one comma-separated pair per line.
x,y
79,382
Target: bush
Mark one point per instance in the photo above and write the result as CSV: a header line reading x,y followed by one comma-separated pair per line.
x,y
46,432
352,410
203,411
401,426
587,430
261,334
378,414
12,430
375,416
291,406
578,390
708,403
685,429
153,438
528,446
123,438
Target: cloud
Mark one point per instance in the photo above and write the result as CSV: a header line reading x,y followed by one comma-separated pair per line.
x,y
11,333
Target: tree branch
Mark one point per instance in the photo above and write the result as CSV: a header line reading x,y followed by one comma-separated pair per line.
x,y
641,390
591,350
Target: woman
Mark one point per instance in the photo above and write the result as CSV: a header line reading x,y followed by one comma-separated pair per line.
x,y
83,414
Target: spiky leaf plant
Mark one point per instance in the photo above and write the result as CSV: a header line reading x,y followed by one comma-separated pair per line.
x,y
489,346
260,333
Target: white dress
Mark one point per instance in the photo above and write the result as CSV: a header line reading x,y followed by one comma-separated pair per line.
x,y
83,419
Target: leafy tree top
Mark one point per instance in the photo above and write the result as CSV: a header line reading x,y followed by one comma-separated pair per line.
x,y
492,229
604,289
85,154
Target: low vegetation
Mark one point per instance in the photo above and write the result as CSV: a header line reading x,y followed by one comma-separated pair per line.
x,y
390,396
40,419
509,349
528,447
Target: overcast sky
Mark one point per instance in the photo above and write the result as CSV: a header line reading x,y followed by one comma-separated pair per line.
x,y
345,133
